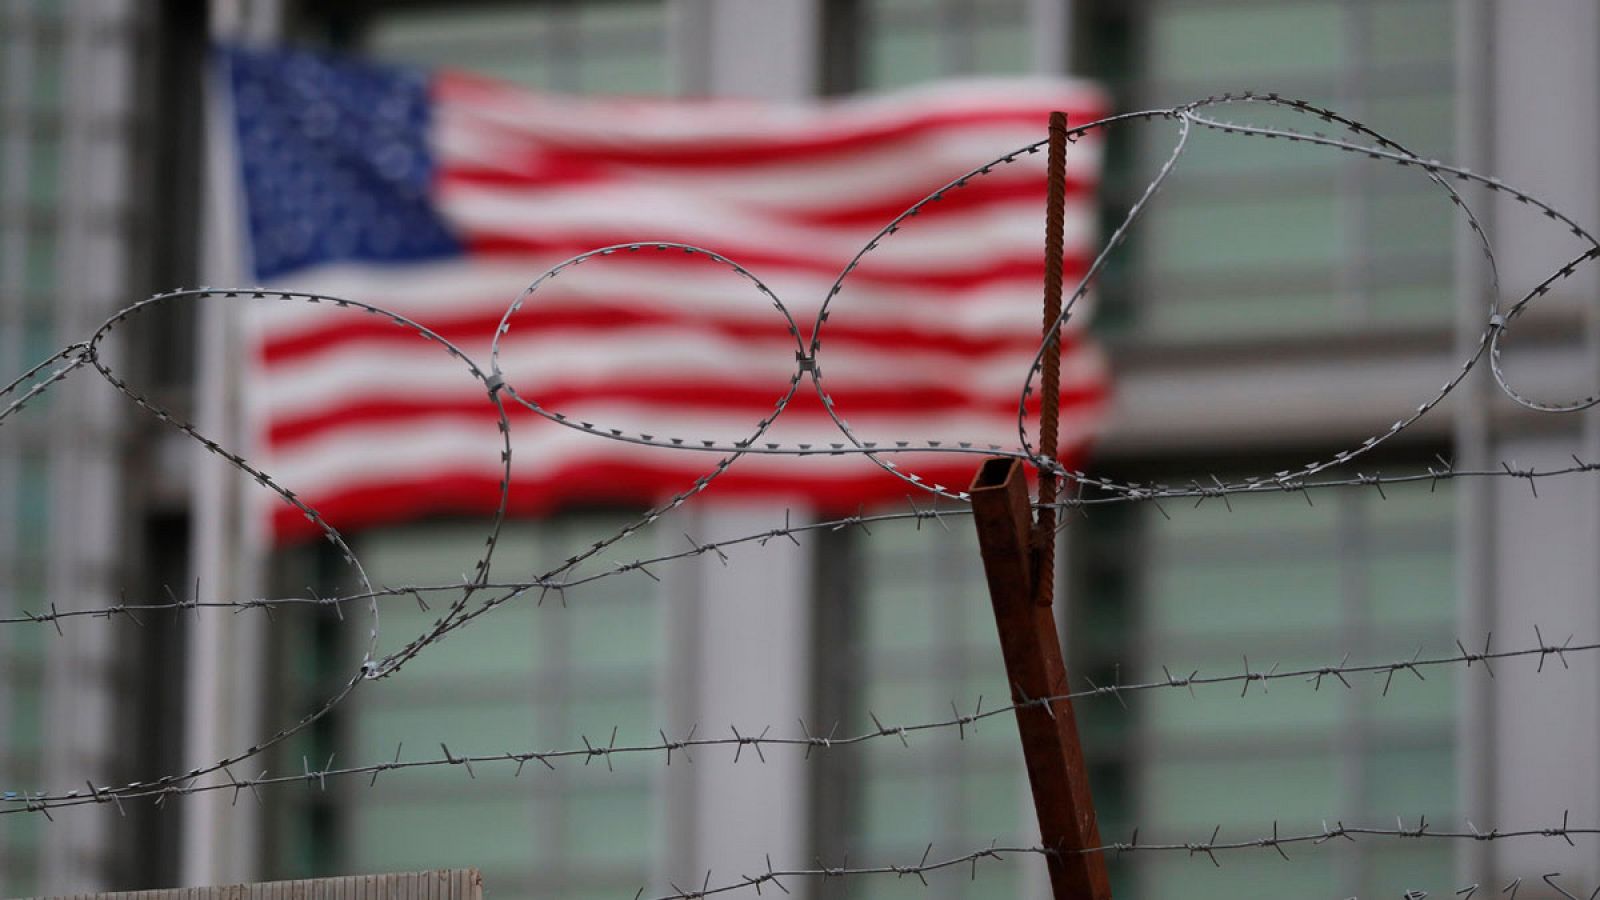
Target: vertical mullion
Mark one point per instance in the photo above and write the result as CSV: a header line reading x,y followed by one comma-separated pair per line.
x,y
1476,62
840,669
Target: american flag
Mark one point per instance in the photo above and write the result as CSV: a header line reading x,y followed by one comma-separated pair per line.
x,y
441,196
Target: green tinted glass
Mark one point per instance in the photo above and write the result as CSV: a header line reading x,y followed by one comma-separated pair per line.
x,y
616,47
927,648
522,677
39,274
1269,232
46,77
903,43
1004,50
1245,41
1258,238
1296,587
1253,874
903,58
1411,31
444,832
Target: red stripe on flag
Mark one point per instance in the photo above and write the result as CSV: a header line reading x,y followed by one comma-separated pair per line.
x,y
595,319
722,149
1001,267
442,492
977,195
684,399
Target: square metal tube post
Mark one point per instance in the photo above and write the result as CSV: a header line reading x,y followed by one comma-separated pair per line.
x,y
1019,563
1034,666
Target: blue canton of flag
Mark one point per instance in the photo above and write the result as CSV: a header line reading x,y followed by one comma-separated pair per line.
x,y
335,160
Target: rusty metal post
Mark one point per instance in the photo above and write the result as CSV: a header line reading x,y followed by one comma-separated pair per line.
x,y
1034,666
1019,563
1055,205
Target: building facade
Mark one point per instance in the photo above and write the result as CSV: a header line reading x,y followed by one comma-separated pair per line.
x,y
1278,304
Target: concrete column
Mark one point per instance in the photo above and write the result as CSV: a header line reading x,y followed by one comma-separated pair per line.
x,y
219,841
765,49
1051,21
1545,721
738,643
85,429
739,636
1528,747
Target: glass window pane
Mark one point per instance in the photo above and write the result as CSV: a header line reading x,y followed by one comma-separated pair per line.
x,y
904,43
33,507
1256,238
644,74
1180,317
1411,223
1244,598
1423,123
1275,232
444,833
45,77
1411,31
614,47
1219,711
927,646
1396,868
39,279
44,174
1248,41
1412,304
1295,587
902,58
522,677
611,823
1240,874
1003,50
1241,794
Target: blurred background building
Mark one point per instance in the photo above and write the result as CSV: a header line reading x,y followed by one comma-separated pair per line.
x,y
1280,303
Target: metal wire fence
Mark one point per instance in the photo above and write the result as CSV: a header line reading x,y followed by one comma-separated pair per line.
x,y
460,603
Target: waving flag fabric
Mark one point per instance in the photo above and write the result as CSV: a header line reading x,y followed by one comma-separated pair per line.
x,y
441,196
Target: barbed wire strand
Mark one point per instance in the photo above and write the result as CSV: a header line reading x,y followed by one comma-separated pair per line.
x,y
1444,471
809,742
925,866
